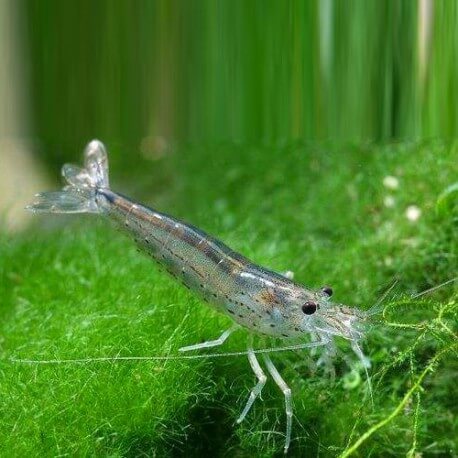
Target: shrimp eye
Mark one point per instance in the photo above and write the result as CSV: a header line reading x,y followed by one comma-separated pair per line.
x,y
327,290
309,308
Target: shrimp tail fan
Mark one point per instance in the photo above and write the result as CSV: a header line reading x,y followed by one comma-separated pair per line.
x,y
79,195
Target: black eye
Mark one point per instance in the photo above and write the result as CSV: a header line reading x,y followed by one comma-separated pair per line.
x,y
309,308
327,290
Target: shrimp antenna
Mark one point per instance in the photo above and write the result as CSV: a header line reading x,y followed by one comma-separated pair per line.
x,y
434,288
369,386
378,306
365,362
104,359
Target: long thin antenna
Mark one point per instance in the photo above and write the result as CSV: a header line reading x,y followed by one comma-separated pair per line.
x,y
434,288
376,308
104,359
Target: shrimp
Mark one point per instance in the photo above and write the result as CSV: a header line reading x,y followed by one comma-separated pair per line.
x,y
260,300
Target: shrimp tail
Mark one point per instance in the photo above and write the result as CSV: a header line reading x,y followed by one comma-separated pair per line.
x,y
79,195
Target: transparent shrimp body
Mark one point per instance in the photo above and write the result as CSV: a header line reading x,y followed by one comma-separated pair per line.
x,y
256,298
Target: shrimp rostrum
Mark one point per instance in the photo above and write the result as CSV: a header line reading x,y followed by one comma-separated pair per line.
x,y
262,301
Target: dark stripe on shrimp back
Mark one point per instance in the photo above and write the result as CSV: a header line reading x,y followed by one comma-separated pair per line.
x,y
210,247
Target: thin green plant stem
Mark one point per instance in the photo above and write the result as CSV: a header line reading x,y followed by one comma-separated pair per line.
x,y
349,450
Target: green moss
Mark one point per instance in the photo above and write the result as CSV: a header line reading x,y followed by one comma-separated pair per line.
x,y
82,290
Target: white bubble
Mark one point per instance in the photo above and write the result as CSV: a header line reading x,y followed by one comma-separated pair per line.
x,y
388,261
413,213
389,201
391,182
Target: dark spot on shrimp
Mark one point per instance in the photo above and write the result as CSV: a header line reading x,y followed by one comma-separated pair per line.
x,y
231,311
151,236
285,335
208,250
327,290
196,271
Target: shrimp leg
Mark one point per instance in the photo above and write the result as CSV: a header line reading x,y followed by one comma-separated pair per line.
x,y
211,343
256,391
288,400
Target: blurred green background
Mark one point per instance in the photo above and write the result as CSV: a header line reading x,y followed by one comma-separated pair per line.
x,y
313,136
146,76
